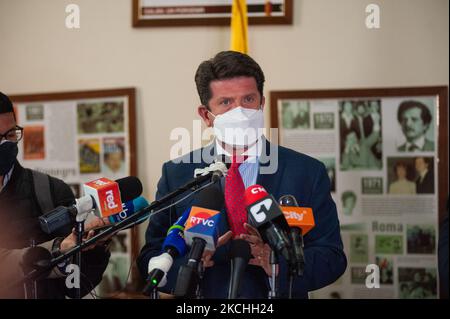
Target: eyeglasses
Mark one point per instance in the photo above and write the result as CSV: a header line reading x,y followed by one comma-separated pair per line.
x,y
13,135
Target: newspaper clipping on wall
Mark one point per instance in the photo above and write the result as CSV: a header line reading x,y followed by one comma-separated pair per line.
x,y
381,157
79,141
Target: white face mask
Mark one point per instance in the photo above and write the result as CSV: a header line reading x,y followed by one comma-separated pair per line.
x,y
240,126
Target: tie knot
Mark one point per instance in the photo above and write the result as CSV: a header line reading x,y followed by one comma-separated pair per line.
x,y
413,147
238,160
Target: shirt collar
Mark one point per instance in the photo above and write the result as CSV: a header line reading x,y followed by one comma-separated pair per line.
x,y
422,175
420,142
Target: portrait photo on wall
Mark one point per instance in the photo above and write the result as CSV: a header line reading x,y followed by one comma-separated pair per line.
x,y
417,283
102,117
113,156
410,175
415,119
89,150
421,239
35,112
33,143
360,135
296,115
386,267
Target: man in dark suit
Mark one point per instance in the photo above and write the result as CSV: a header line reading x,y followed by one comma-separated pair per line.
x,y
230,87
415,119
425,177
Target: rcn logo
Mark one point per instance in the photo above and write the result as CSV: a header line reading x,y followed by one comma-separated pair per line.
x,y
202,219
110,200
259,211
257,189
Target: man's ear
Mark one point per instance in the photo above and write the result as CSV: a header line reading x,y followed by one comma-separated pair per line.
x,y
204,114
263,102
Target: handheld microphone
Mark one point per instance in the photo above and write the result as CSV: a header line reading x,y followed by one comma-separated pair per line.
x,y
106,195
129,209
240,254
201,233
266,216
173,246
60,217
301,221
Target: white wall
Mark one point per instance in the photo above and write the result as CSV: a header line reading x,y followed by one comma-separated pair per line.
x,y
328,46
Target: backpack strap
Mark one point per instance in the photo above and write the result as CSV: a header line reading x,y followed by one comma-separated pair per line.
x,y
42,190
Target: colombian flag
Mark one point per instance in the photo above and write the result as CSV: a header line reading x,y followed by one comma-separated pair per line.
x,y
239,27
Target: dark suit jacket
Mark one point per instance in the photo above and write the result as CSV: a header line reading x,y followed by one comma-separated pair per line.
x,y
427,185
428,146
19,223
298,175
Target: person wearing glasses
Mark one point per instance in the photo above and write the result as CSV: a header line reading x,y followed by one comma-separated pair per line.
x,y
24,196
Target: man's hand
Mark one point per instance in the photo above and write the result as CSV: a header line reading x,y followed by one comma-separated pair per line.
x,y
207,254
260,251
70,241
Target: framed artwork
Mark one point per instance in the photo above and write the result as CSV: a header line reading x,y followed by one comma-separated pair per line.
x,y
167,13
386,155
79,137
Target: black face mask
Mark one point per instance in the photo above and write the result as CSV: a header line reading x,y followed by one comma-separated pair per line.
x,y
8,155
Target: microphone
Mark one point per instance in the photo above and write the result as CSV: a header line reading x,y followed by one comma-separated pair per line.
x,y
266,216
216,170
36,258
173,246
60,217
201,232
129,209
301,221
240,254
105,196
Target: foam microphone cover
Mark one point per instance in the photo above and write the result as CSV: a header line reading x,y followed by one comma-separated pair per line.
x,y
240,254
130,188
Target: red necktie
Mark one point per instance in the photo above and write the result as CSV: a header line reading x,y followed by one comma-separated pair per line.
x,y
234,199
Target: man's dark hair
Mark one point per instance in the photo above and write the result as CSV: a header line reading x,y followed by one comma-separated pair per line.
x,y
425,113
425,160
6,105
226,65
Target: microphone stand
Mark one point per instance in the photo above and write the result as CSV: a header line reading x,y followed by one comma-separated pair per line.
x,y
80,219
201,272
30,288
191,185
273,293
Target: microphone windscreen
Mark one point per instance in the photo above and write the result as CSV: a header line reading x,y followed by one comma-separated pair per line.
x,y
240,249
210,198
288,200
130,188
36,258
223,159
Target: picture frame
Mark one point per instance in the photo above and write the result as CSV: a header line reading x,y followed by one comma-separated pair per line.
x,y
81,136
385,151
440,92
157,13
